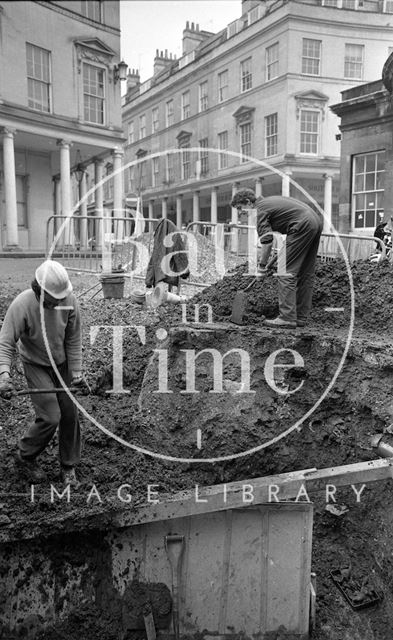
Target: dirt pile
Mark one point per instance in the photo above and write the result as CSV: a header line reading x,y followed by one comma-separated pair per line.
x,y
338,432
372,286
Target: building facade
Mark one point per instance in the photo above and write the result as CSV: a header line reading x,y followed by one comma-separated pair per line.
x,y
60,111
366,189
259,90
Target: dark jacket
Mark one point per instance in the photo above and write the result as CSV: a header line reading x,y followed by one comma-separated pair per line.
x,y
178,262
281,214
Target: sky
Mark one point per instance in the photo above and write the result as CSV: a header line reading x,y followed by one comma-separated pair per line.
x,y
147,25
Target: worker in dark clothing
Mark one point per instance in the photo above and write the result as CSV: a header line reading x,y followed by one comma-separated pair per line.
x,y
169,260
302,227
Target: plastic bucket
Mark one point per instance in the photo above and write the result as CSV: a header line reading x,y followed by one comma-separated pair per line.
x,y
112,285
138,296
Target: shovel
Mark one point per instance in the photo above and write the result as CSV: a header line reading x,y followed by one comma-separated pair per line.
x,y
174,546
26,392
239,303
149,622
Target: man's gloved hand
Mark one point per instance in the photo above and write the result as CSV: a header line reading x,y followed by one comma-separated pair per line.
x,y
79,382
6,386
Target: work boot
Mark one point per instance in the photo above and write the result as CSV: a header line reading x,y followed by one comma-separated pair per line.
x,y
280,323
68,477
30,468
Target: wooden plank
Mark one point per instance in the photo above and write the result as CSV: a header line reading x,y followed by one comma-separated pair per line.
x,y
244,586
304,595
284,570
233,495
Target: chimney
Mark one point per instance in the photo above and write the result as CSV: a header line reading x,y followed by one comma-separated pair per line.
x,y
133,79
192,37
247,5
162,60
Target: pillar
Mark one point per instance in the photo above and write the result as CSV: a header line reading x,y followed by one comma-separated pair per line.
x,y
151,208
234,220
11,212
258,187
57,204
164,207
98,201
327,202
65,191
117,155
286,184
195,206
179,221
213,205
83,212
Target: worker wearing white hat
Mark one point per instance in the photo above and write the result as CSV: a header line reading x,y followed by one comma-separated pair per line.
x,y
23,328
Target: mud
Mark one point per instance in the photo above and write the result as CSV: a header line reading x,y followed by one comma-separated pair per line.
x,y
338,432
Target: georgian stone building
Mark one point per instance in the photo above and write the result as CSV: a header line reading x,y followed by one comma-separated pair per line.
x,y
260,89
60,110
366,187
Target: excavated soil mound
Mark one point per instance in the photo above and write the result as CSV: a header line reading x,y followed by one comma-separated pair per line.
x,y
372,287
338,432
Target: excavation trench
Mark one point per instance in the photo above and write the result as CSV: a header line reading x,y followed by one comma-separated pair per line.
x,y
83,568
87,566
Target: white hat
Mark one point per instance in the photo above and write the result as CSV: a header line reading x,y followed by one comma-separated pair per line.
x,y
53,278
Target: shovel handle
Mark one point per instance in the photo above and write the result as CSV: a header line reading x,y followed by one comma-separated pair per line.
x,y
26,392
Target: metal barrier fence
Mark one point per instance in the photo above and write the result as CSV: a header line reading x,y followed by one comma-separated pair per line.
x,y
356,247
96,244
101,243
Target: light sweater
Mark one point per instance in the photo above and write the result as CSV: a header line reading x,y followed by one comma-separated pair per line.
x,y
22,330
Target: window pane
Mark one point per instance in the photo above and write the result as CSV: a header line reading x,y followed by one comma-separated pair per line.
x,y
38,77
370,162
368,202
359,219
380,181
309,131
370,181
353,65
371,201
311,56
359,202
371,219
380,199
359,182
94,91
360,164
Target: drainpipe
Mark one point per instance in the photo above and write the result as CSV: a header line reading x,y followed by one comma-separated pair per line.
x,y
380,447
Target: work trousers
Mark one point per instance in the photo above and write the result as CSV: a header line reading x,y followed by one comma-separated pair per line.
x,y
52,410
295,289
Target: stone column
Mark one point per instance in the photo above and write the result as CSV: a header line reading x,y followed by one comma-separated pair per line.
x,y
195,206
164,207
11,212
179,220
151,209
83,211
258,187
57,204
286,185
117,155
327,202
213,205
98,201
234,220
66,198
